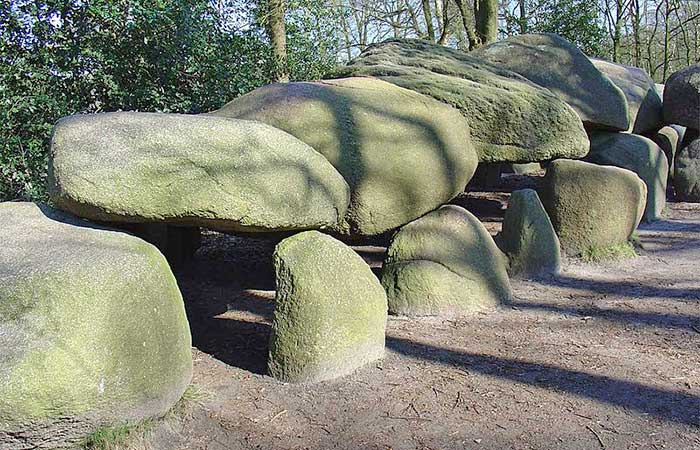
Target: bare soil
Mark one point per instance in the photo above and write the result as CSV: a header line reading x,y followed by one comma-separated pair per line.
x,y
603,356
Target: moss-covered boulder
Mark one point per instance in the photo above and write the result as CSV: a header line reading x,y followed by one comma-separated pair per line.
x,y
330,312
682,98
528,237
527,168
558,65
92,329
669,139
591,205
640,155
403,154
687,177
231,175
643,100
444,264
511,119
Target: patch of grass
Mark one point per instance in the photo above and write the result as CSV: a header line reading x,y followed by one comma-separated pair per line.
x,y
132,435
116,437
609,253
193,396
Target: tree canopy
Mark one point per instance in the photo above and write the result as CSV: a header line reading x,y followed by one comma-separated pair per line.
x,y
63,57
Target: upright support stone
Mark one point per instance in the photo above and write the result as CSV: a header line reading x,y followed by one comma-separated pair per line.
x,y
330,314
444,264
93,329
592,206
528,237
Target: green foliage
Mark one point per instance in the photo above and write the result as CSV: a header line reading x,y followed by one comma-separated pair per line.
x,y
575,20
63,57
117,436
609,253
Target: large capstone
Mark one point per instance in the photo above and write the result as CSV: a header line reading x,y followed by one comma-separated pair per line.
x,y
643,100
686,180
330,310
92,329
511,119
403,154
231,175
528,237
640,155
682,97
444,264
592,206
558,65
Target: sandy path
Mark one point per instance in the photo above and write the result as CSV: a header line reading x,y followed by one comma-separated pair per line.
x,y
602,357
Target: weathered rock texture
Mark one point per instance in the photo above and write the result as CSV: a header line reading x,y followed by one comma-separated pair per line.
x,y
687,177
558,65
330,314
511,118
226,174
682,98
403,154
444,264
92,329
669,139
528,237
640,155
643,100
592,205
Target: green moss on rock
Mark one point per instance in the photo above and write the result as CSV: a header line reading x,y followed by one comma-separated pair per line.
x,y
687,177
92,328
511,119
330,310
669,139
231,175
682,97
591,205
444,264
640,155
643,100
528,237
402,154
558,65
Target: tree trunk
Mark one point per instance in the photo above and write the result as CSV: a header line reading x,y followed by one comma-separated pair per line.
x,y
523,16
487,21
444,33
467,24
427,13
277,33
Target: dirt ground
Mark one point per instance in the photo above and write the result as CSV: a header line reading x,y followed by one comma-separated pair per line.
x,y
604,356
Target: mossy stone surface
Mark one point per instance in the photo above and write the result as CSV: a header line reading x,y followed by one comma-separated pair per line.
x,y
592,205
687,177
511,119
330,312
682,97
527,168
401,153
558,65
444,264
528,237
643,100
92,328
231,175
669,139
640,155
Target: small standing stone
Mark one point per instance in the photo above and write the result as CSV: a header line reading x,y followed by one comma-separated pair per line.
x,y
330,313
528,237
444,264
